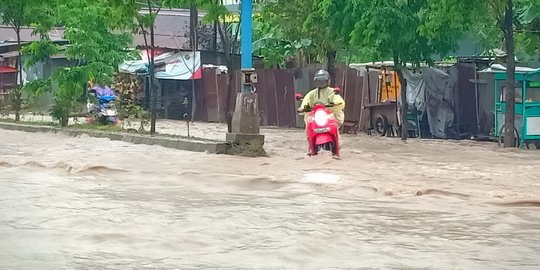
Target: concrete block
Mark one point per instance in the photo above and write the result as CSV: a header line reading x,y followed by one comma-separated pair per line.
x,y
221,148
241,138
197,147
137,139
94,134
246,114
128,138
115,136
171,143
147,141
41,129
27,128
180,145
163,142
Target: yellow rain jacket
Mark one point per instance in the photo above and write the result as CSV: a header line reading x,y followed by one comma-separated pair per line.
x,y
326,96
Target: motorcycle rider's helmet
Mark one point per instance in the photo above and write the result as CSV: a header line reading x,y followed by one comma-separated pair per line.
x,y
321,79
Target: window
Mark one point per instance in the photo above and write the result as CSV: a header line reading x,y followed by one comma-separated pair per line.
x,y
518,89
533,91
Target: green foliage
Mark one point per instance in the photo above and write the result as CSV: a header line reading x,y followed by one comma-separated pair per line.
x,y
70,89
271,44
296,28
37,87
133,111
17,14
93,42
405,31
487,24
39,51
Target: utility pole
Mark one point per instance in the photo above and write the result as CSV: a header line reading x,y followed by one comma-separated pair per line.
x,y
510,95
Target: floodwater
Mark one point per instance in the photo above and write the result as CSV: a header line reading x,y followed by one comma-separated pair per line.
x,y
86,203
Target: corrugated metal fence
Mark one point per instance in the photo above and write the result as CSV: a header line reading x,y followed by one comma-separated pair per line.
x,y
276,90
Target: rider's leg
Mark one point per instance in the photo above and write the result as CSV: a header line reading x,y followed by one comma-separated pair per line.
x,y
340,119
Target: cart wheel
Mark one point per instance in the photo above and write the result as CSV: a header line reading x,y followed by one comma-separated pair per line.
x,y
381,125
531,145
501,137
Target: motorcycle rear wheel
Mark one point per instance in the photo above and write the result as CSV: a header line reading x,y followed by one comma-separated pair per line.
x,y
327,146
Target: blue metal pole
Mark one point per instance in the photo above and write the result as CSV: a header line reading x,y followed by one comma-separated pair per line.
x,y
246,33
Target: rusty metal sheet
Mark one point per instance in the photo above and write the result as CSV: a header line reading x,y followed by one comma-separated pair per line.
x,y
275,89
284,98
466,112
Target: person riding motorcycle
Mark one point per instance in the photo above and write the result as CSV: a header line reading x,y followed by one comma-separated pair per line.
x,y
326,95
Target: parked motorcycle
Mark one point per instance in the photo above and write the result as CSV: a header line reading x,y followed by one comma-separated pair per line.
x,y
322,128
104,112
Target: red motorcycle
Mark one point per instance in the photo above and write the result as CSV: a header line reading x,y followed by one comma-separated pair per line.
x,y
322,128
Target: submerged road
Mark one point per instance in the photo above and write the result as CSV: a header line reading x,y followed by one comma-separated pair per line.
x,y
86,203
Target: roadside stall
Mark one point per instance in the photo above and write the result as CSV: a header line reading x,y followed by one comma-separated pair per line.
x,y
383,100
527,105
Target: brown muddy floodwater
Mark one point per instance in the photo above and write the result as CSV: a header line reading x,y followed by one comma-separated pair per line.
x,y
85,203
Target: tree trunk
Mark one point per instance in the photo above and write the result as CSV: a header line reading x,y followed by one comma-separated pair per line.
x,y
510,95
194,19
65,119
331,65
19,70
404,106
153,88
403,94
230,91
214,38
229,50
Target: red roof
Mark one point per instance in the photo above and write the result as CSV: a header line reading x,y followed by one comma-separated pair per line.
x,y
5,69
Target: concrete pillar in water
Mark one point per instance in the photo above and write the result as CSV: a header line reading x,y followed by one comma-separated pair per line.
x,y
245,129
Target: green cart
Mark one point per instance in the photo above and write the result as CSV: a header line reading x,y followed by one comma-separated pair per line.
x,y
527,106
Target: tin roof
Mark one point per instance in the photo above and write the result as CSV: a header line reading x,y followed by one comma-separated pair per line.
x,y
171,31
498,68
8,35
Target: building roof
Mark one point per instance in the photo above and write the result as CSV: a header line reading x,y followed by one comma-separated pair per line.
x,y
171,31
7,34
498,68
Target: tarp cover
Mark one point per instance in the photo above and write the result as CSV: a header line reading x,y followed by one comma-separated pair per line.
x,y
168,65
103,91
6,69
440,102
416,88
431,91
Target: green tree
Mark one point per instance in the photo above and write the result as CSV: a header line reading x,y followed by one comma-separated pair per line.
x,y
19,14
298,22
229,33
275,49
403,30
93,42
514,25
507,26
131,11
487,19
